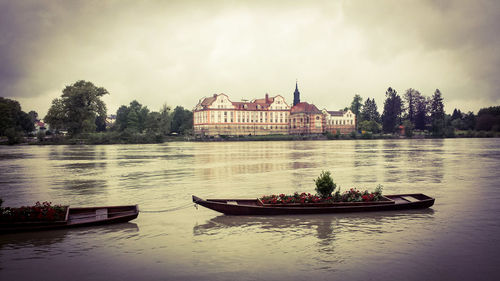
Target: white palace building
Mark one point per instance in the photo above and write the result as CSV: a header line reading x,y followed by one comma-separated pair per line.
x,y
218,115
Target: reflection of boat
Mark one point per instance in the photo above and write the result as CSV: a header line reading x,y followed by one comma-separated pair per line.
x,y
322,222
254,206
49,237
77,217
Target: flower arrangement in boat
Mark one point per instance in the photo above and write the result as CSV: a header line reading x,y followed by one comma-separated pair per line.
x,y
324,188
295,198
39,212
354,195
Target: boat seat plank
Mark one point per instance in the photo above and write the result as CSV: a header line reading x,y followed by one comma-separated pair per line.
x,y
101,214
410,198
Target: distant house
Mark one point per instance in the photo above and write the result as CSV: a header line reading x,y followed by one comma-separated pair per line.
x,y
343,122
40,126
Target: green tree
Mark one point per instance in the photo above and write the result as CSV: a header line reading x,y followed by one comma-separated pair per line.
x,y
437,114
411,98
421,112
391,118
133,121
370,126
133,117
165,119
488,119
182,120
33,116
13,121
121,118
356,106
152,124
370,111
79,106
56,116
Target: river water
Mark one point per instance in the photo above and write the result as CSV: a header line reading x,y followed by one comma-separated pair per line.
x,y
457,239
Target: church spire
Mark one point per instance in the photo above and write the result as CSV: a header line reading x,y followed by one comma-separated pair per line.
x,y
296,94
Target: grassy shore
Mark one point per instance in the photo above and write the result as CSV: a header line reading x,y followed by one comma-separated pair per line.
x,y
147,138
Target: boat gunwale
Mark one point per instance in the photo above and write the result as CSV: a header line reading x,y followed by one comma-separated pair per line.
x,y
243,209
215,201
130,214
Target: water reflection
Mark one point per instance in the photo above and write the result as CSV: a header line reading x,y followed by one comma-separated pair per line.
x,y
232,159
425,162
413,160
366,154
326,226
49,237
83,167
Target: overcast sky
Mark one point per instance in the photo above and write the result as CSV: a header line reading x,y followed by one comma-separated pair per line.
x,y
177,52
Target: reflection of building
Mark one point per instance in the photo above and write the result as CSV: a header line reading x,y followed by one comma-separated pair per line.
x,y
217,115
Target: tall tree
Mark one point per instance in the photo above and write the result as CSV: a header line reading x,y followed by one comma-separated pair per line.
x,y
370,111
356,106
457,114
469,121
121,118
437,113
79,106
182,120
391,118
165,119
411,96
421,112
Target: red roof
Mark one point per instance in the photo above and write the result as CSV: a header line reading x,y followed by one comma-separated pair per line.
x,y
253,105
305,107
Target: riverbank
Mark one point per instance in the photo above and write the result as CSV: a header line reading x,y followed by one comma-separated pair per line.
x,y
121,138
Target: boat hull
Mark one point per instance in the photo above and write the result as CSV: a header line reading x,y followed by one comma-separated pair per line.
x,y
78,217
251,207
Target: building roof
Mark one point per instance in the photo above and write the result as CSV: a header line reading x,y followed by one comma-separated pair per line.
x,y
208,101
256,104
336,113
305,107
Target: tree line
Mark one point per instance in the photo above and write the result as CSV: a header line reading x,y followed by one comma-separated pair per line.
x,y
81,114
416,113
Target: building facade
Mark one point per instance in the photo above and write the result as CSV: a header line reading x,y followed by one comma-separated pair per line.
x,y
306,119
343,122
218,115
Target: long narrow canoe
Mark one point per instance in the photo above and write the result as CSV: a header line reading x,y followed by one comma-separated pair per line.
x,y
76,217
255,206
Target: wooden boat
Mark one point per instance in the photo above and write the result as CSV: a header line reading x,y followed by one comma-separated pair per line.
x,y
256,207
76,217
